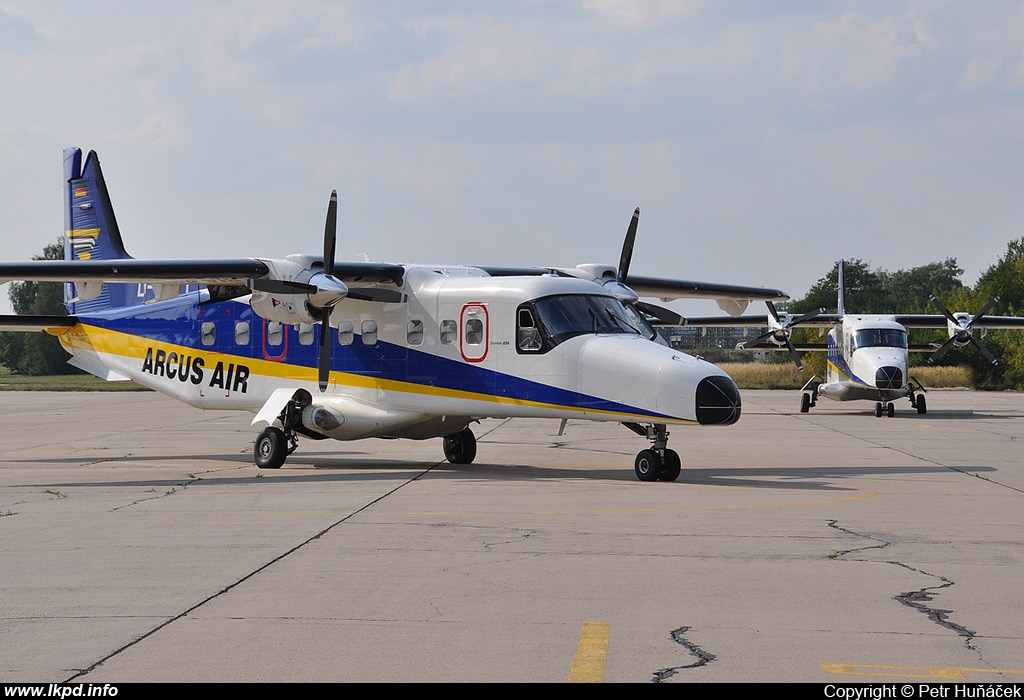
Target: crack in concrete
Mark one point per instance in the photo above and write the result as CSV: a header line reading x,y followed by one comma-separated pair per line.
x,y
920,599
703,657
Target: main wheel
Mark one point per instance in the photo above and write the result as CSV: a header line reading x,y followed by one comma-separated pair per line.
x,y
805,403
878,410
460,448
270,449
648,465
670,471
922,405
890,409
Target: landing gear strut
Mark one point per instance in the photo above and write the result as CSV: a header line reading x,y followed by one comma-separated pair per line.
x,y
274,444
808,400
658,463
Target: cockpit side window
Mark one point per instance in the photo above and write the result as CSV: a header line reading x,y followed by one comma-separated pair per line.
x,y
548,321
528,337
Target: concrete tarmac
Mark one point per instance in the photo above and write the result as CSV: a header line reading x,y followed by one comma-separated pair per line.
x,y
140,543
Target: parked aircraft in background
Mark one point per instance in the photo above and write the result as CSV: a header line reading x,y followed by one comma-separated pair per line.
x,y
867,353
322,349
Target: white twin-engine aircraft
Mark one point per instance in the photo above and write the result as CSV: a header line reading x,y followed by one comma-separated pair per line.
x,y
867,354
358,350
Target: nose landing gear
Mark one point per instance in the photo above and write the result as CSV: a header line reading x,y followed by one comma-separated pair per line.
x,y
657,463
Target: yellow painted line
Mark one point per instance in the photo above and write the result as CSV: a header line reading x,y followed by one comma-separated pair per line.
x,y
946,673
591,653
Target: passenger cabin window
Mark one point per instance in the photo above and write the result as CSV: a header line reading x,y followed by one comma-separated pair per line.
x,y
241,333
415,332
474,331
449,331
305,334
369,331
208,333
345,332
275,333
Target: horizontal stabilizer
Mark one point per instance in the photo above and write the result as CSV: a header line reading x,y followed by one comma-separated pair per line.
x,y
31,323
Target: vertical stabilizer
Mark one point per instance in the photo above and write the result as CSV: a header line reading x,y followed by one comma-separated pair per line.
x,y
842,291
91,233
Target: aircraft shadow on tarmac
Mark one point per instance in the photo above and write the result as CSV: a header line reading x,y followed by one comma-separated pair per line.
x,y
355,467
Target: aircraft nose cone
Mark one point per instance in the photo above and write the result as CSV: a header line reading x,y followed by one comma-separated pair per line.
x,y
717,401
888,377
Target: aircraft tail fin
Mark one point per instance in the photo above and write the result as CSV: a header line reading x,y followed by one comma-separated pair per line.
x,y
91,233
842,291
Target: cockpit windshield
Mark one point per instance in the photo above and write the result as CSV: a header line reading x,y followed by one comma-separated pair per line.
x,y
570,315
879,338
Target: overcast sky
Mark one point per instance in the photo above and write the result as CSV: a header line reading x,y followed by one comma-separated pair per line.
x,y
761,140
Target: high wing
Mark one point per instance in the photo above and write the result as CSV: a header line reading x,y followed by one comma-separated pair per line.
x,y
941,322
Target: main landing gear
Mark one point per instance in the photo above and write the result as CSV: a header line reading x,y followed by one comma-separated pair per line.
x,y
658,463
460,448
272,447
810,396
274,444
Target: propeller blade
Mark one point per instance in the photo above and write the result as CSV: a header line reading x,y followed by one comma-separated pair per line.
x,y
324,364
984,310
943,310
331,233
773,311
272,286
941,351
627,248
330,239
806,317
983,350
756,341
795,355
666,316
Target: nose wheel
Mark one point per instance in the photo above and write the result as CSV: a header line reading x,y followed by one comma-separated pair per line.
x,y
650,466
657,463
886,408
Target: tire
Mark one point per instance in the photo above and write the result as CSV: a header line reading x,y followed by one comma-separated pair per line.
x,y
648,465
890,410
270,449
460,448
670,471
805,403
922,405
878,410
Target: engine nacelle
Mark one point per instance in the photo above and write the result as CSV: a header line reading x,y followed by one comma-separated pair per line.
x,y
296,290
961,331
289,309
345,418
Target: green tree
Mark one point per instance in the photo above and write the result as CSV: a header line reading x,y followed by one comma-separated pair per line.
x,y
1003,281
37,353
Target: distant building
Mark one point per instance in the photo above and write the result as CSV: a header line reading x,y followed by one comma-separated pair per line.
x,y
688,338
